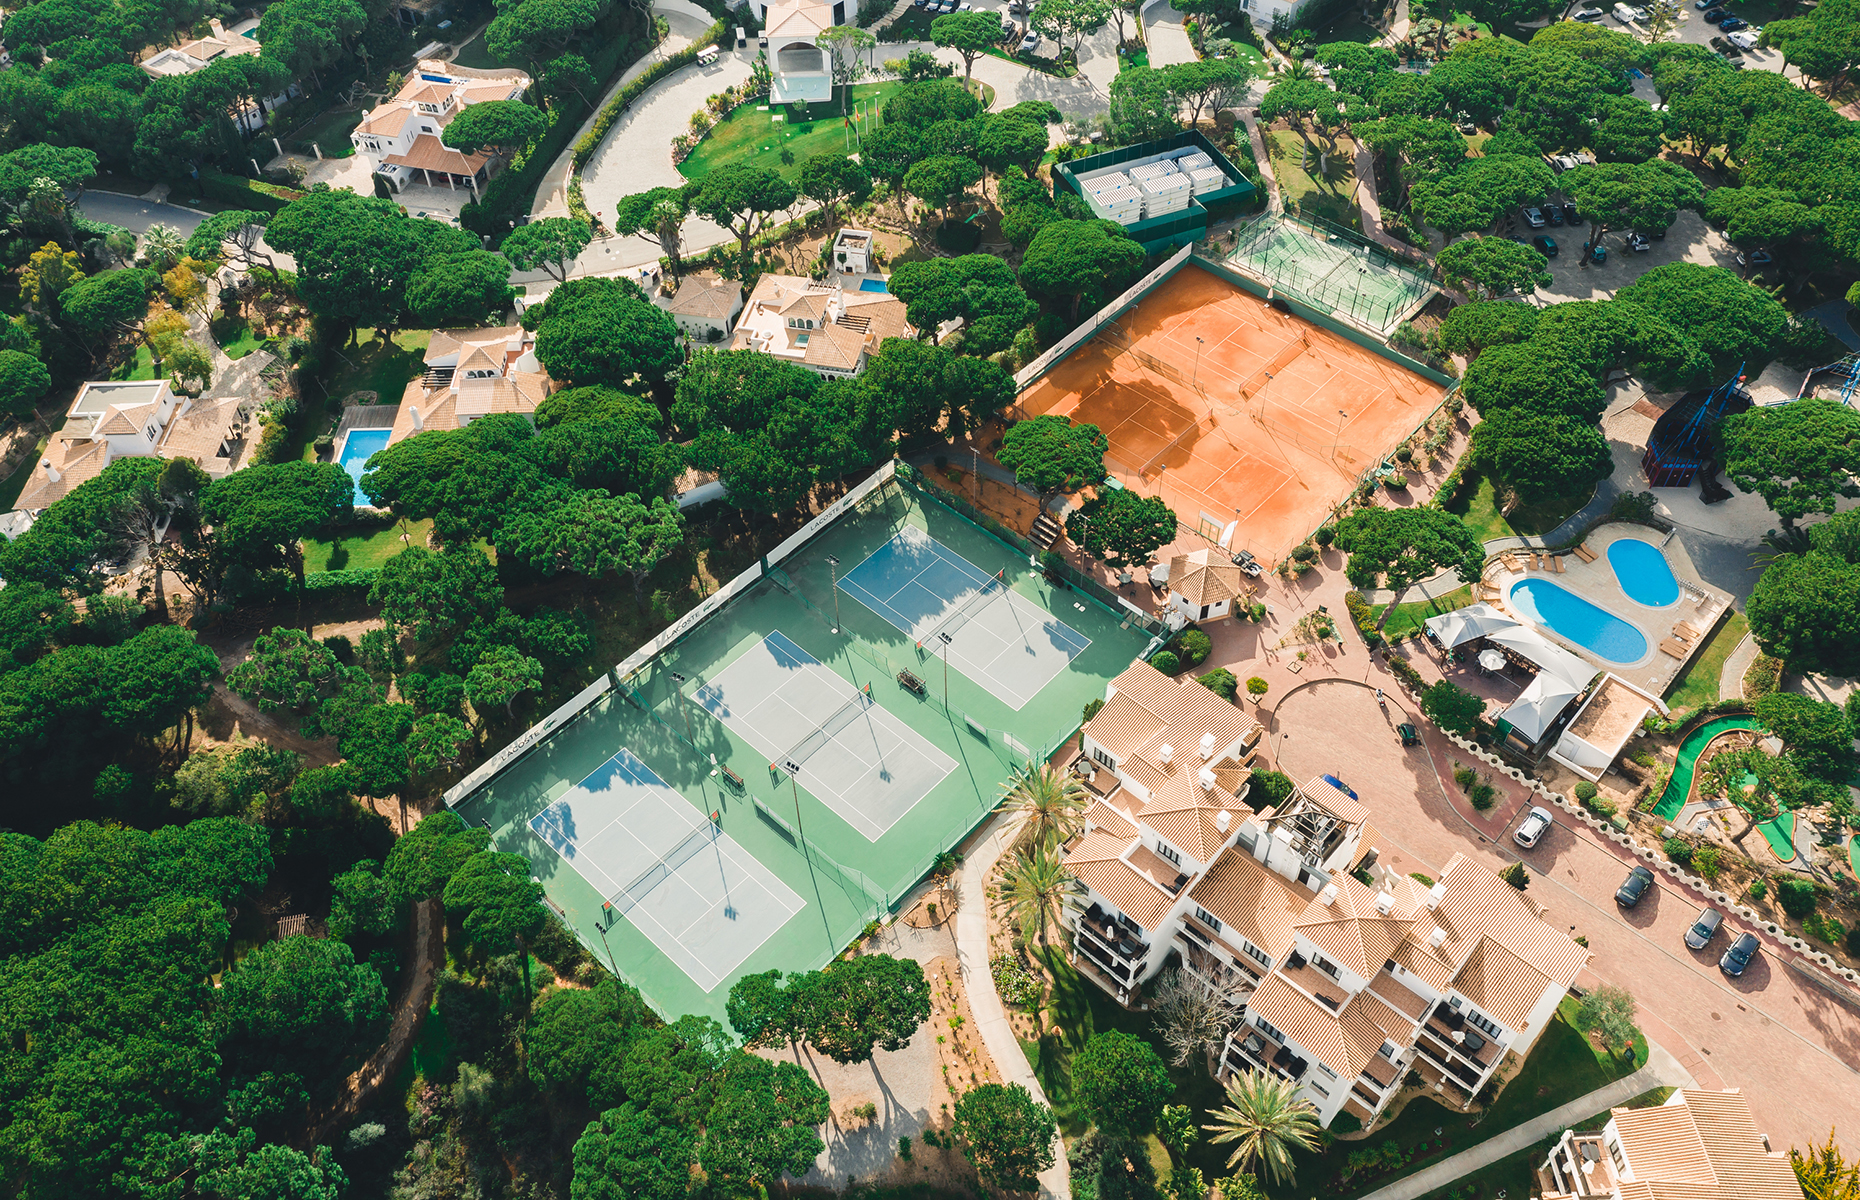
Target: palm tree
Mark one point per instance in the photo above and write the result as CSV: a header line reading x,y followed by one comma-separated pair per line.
x,y
1297,70
1050,802
163,246
1267,1119
1033,892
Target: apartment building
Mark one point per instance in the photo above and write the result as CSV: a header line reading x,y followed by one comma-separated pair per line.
x,y
1341,986
1699,1145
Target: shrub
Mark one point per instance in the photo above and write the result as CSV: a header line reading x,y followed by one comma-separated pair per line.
x,y
1758,889
1193,646
1405,671
1797,896
1091,708
1826,929
1166,662
1516,876
1483,796
1585,792
1602,807
1763,677
1853,941
1221,682
1707,861
1015,983
1324,537
1452,708
1304,553
1464,776
1679,850
1257,687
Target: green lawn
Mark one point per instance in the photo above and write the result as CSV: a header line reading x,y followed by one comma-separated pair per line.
x,y
1409,617
329,130
235,337
1329,195
368,547
142,366
1698,685
1480,512
751,134
912,25
478,56
384,368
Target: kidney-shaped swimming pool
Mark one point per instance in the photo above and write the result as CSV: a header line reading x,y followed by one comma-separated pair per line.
x,y
1643,573
1558,609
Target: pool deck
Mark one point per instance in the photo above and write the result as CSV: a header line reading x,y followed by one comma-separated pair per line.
x,y
1699,605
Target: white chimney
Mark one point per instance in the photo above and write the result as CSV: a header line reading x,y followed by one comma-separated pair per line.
x,y
1205,777
1164,754
51,472
1222,820
1438,936
419,422
219,30
1385,903
1207,746
1435,895
1328,896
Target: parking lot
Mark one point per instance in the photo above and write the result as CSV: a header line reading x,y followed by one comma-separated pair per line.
x,y
1693,30
1689,240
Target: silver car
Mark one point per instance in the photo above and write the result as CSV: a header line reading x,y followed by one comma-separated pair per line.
x,y
1704,929
1533,828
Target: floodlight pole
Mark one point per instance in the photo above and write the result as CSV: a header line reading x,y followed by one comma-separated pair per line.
x,y
601,928
1341,418
944,638
678,682
793,768
833,569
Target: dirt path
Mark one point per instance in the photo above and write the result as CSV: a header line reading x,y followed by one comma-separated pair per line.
x,y
409,1018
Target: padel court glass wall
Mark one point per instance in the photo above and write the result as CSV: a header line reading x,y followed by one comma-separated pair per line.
x,y
837,766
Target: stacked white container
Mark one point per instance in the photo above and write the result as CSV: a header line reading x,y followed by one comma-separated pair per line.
x,y
1113,197
1165,189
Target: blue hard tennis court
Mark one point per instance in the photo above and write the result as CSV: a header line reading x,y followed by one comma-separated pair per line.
x,y
949,606
701,898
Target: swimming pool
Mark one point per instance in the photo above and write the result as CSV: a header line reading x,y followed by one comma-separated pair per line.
x,y
874,285
1600,631
357,445
1642,572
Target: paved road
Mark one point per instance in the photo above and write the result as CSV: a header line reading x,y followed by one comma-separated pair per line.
x,y
136,214
1775,1032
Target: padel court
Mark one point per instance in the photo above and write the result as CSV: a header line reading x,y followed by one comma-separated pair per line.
x,y
1232,410
948,605
834,738
702,899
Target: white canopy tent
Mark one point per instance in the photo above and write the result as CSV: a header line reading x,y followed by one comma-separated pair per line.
x,y
1536,709
1464,624
1561,676
1547,656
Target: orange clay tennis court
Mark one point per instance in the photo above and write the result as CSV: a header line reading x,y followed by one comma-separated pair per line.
x,y
1228,408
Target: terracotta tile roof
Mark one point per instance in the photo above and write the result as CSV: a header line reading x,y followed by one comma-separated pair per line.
x,y
1186,814
1478,904
799,18
200,432
1205,577
75,459
1344,1041
428,153
1334,800
1351,931
1148,710
887,320
1706,1148
1252,901
834,346
706,296
1105,815
126,420
386,121
1098,861
442,343
1501,984
806,304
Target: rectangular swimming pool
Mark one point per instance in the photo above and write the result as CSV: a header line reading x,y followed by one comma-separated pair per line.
x,y
357,446
874,285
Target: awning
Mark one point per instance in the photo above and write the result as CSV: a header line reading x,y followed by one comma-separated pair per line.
x,y
1533,712
1465,624
1547,656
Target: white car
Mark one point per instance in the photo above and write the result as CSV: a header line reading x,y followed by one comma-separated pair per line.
x,y
1030,43
1745,39
1532,831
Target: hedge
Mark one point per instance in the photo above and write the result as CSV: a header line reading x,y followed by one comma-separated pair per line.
x,y
245,193
623,99
361,577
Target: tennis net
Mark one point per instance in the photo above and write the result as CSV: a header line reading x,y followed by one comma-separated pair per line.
x,y
964,611
845,715
636,891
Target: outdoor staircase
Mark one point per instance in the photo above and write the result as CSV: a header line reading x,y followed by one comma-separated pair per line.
x,y
1046,531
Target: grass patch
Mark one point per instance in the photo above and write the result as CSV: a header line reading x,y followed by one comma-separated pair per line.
x,y
329,131
234,335
364,547
1407,618
1698,685
478,56
912,25
1350,28
1136,58
142,366
1329,194
384,368
752,136
1480,512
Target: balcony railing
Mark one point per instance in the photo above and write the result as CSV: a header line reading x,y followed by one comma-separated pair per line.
x,y
1115,935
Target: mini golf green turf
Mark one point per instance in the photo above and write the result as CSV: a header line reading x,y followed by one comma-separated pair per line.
x,y
845,876
1680,786
1780,834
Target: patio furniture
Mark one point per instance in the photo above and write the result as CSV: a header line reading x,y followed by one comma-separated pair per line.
x,y
1587,555
1674,649
1510,561
1685,630
732,778
1557,563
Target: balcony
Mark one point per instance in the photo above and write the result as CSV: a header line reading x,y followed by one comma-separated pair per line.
x,y
1579,1166
1315,983
1209,967
1450,1066
1114,934
1452,1029
1399,998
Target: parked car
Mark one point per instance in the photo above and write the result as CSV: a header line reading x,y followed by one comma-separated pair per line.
x,y
1571,215
1562,162
1638,243
1745,39
1468,128
1633,887
1539,820
1715,15
1733,24
1554,213
1738,957
1534,217
1597,252
1755,258
1591,15
1030,43
1704,5
1624,14
1704,929
1545,245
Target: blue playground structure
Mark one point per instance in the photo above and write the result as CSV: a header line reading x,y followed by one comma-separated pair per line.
x,y
1681,441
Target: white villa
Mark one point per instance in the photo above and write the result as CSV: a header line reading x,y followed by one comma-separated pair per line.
x,y
705,307
471,373
801,69
197,54
1339,986
401,137
824,327
1203,584
1699,1145
141,419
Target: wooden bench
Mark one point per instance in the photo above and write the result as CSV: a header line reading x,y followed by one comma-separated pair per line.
x,y
912,684
732,778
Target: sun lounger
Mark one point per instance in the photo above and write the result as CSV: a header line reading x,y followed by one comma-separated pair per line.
x,y
1587,555
1556,563
1510,560
1675,649
1685,630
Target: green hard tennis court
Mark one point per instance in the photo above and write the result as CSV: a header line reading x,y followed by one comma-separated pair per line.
x,y
843,870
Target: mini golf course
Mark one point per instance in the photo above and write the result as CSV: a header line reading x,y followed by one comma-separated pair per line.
x,y
1780,834
1680,785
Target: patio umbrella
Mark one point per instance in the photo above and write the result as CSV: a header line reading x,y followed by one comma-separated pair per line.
x,y
1491,660
1464,624
1538,707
